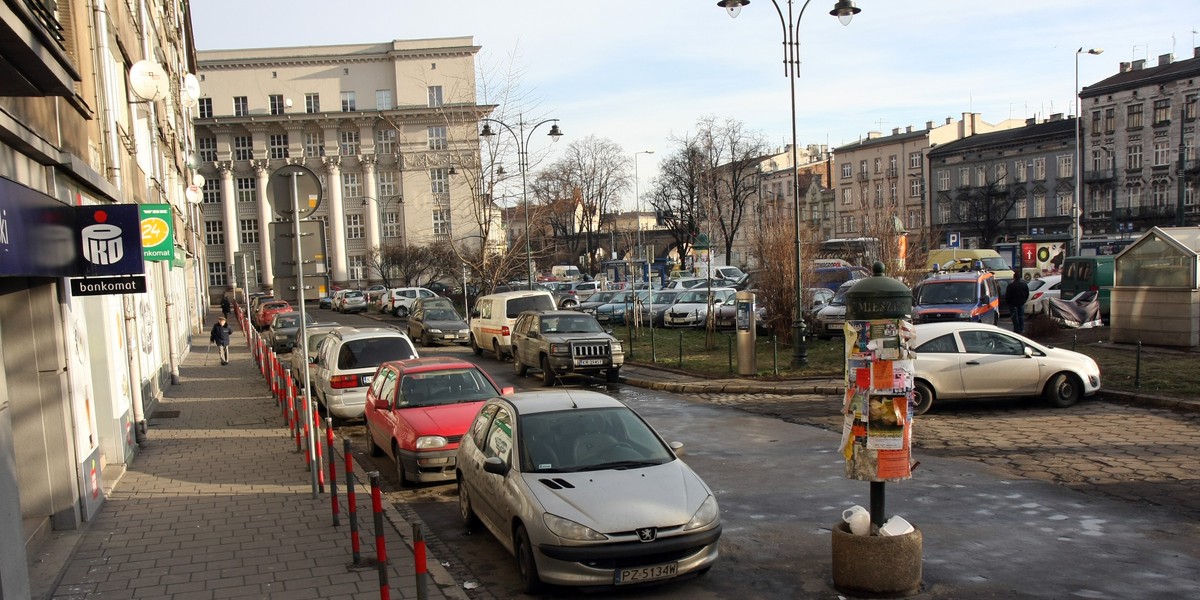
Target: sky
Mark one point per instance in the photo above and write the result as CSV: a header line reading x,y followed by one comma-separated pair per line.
x,y
641,73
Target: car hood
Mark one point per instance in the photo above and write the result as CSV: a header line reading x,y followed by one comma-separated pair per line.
x,y
438,324
443,419
610,501
562,338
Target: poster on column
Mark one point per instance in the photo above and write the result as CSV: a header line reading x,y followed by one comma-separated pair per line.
x,y
877,428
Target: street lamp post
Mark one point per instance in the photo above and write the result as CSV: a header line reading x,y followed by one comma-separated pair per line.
x,y
1077,205
844,10
637,198
523,163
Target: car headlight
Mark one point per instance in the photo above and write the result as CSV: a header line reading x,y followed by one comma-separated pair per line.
x,y
615,347
560,348
427,442
435,331
570,530
705,516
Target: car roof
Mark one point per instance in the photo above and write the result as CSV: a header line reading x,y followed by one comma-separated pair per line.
x,y
347,332
928,331
959,276
553,313
527,403
430,363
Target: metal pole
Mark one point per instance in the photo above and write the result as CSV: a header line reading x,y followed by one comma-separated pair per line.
x,y
1076,234
1179,220
308,414
792,60
523,163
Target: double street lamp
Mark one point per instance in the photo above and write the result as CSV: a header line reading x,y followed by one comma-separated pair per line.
x,y
844,10
1077,204
523,162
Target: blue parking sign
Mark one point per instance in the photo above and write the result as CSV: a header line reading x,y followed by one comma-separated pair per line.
x,y
953,240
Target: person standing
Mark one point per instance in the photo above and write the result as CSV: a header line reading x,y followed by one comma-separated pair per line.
x,y
1016,296
220,336
226,308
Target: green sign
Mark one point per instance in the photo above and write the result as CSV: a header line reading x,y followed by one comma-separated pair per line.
x,y
158,241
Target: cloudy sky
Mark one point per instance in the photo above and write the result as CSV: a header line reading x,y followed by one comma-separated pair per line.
x,y
639,72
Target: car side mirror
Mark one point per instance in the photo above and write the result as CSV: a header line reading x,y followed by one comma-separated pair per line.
x,y
493,464
1028,352
474,314
381,404
677,448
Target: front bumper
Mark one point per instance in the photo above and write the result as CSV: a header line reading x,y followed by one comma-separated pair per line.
x,y
429,466
597,564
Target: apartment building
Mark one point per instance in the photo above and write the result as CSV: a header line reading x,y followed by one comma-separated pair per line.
x,y
1139,140
390,130
95,135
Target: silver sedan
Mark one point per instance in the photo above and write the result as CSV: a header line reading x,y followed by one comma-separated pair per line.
x,y
583,492
977,360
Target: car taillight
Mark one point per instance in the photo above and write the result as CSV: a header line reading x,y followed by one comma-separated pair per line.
x,y
1036,296
341,382
504,331
1094,288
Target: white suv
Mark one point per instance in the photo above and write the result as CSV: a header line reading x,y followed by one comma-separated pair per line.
x,y
345,364
398,301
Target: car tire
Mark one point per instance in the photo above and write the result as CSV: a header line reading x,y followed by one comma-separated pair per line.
x,y
519,367
466,512
372,447
613,375
925,397
547,372
402,312
526,565
496,351
400,476
426,340
1062,390
475,346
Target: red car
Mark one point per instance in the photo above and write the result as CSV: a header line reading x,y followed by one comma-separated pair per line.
x,y
417,410
267,312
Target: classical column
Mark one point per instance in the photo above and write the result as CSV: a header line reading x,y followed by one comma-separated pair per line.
x,y
374,206
267,267
229,210
337,222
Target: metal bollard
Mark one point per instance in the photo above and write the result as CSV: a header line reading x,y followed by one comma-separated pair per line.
x,y
351,502
775,353
419,560
681,348
333,495
1137,373
380,541
1074,339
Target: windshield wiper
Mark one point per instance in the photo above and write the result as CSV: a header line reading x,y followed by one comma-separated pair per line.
x,y
621,465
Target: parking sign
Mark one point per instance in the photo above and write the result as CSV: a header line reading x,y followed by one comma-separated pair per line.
x,y
953,240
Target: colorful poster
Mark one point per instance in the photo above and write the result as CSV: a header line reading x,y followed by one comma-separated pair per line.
x,y
158,241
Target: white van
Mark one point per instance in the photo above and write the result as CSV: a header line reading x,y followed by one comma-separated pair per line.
x,y
494,315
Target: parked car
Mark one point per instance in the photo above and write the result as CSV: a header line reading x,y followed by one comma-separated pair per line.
x,y
352,301
346,362
297,360
325,301
597,300
688,283
614,312
1040,292
435,320
267,311
962,296
284,329
399,301
833,277
691,308
726,317
654,309
374,292
418,410
494,316
564,342
568,294
584,492
336,302
831,318
960,360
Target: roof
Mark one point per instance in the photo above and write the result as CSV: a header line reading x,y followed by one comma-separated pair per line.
x,y
1137,78
1185,239
1008,137
431,363
556,400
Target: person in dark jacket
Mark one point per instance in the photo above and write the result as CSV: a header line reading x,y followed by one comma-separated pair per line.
x,y
226,308
220,336
1016,296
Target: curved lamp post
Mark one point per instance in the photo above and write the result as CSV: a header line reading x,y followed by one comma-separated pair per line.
x,y
637,198
382,204
523,162
1077,204
844,10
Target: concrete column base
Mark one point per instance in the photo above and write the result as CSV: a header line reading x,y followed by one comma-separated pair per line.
x,y
876,566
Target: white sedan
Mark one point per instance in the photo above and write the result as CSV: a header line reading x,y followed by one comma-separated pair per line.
x,y
1040,292
976,360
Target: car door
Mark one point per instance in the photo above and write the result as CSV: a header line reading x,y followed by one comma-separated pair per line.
x,y
994,364
525,350
382,422
496,499
939,361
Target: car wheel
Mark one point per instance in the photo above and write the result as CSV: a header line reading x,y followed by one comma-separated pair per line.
x,y
496,352
466,512
547,373
426,340
402,312
613,375
475,346
526,565
1062,390
400,476
372,446
924,398
519,367
569,305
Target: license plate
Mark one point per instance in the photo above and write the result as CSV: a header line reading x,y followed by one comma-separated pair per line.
x,y
451,336
590,362
651,573
367,379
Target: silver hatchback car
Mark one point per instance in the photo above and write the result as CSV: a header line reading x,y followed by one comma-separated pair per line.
x,y
584,492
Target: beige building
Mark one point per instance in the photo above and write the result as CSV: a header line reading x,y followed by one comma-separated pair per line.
x,y
389,129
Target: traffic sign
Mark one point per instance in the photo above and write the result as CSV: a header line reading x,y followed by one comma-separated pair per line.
x,y
953,240
308,191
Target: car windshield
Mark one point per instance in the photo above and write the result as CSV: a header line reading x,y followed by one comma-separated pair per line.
x,y
354,294
694,297
559,287
517,306
947,292
441,314
995,263
839,299
588,440
371,352
602,297
664,297
449,386
570,324
1035,284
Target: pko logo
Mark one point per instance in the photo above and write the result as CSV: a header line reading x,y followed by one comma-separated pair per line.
x,y
102,244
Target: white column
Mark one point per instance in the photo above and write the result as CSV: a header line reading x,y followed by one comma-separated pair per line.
x,y
267,268
374,205
229,210
337,222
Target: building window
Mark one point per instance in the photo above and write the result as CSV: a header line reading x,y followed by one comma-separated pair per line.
x,y
964,177
1189,107
1134,195
944,213
211,191
914,187
349,142
1066,166
205,108
1022,207
248,231
383,100
1064,204
356,267
435,96
914,160
878,194
216,274
391,224
846,196
276,103
348,103
312,103
312,145
981,176
354,226
278,145
243,147
441,221
1101,159
914,220
878,165
892,193
1162,153
385,141
437,138
1039,168
1134,156
246,187
1133,116
847,171
1001,176
241,107
862,167
214,233
1039,205
351,185
1095,122
1110,120
439,180
892,165
387,183
1022,173
1159,193
1189,197
206,147
1162,111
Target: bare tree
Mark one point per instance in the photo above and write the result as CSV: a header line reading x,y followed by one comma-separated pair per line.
x,y
733,156
982,208
596,172
675,193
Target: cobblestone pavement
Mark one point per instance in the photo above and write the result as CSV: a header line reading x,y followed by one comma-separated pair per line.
x,y
1134,453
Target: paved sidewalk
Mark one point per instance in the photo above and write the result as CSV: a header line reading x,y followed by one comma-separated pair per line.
x,y
219,505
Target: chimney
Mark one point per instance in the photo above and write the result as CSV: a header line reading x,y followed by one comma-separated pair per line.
x,y
1165,59
949,120
1139,64
1031,121
908,129
895,131
928,124
1124,68
1056,117
872,135
1196,52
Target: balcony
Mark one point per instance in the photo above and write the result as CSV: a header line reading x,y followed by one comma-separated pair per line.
x,y
35,61
864,176
892,172
1097,176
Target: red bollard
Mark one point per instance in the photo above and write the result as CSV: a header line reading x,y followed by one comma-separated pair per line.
x,y
296,426
307,441
316,442
380,541
351,502
332,471
419,560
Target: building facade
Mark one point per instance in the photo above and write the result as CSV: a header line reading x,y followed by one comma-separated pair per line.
x,y
390,130
94,123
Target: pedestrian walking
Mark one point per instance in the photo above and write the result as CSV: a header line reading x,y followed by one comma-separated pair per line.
x,y
220,336
226,308
1016,296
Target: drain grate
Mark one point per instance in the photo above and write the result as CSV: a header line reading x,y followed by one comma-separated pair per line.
x,y
165,414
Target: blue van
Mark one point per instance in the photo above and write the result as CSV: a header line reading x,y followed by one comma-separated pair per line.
x,y
833,277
